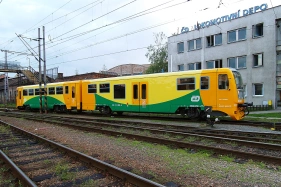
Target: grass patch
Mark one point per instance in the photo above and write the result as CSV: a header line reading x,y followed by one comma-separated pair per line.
x,y
62,172
267,115
227,158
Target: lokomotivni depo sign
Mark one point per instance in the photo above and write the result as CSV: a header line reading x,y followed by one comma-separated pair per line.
x,y
225,18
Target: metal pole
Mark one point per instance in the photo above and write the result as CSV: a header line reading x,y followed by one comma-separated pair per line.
x,y
6,81
40,76
45,81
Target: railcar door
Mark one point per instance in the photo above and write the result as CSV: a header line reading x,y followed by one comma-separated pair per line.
x,y
140,97
67,96
70,96
19,97
224,92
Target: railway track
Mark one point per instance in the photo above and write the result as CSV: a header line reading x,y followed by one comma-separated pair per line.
x,y
37,161
220,142
168,117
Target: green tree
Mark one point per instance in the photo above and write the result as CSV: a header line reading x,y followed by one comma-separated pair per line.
x,y
158,54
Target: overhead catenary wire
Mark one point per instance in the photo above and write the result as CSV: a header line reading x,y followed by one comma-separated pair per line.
x,y
119,21
78,36
91,21
31,28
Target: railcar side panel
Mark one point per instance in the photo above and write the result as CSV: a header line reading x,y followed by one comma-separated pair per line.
x,y
58,96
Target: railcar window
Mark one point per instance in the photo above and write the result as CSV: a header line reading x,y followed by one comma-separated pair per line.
x,y
30,92
19,94
52,91
105,88
186,83
66,89
73,92
204,83
136,92
37,91
119,91
223,81
92,88
59,90
143,88
25,93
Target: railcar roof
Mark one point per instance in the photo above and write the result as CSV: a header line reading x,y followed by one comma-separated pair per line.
x,y
161,74
49,84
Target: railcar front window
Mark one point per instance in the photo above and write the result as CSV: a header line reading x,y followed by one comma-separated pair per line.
x,y
25,93
238,80
239,84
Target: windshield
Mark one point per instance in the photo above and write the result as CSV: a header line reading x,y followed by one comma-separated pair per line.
x,y
238,80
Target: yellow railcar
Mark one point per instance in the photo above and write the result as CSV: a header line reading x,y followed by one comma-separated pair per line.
x,y
199,93
60,96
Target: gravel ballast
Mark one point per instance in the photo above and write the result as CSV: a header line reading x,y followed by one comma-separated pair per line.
x,y
159,163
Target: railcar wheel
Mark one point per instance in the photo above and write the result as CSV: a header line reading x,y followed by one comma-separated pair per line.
x,y
27,108
183,112
105,110
119,113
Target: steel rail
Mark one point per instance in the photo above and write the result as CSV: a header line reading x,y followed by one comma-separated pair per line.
x,y
181,144
25,180
108,168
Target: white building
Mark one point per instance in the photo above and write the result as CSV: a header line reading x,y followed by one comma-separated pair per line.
x,y
248,40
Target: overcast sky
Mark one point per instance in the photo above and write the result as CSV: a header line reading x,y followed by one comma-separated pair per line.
x,y
85,36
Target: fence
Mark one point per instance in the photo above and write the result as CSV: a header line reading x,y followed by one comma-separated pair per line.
x,y
260,107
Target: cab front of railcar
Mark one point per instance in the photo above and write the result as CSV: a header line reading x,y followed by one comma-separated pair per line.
x,y
19,98
242,106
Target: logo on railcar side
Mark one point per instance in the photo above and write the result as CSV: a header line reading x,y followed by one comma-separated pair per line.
x,y
195,98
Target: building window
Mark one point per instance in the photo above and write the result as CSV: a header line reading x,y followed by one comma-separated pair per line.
x,y
186,84
257,30
180,47
257,89
194,44
191,66
194,66
198,65
181,67
214,40
258,60
236,35
214,64
119,91
237,62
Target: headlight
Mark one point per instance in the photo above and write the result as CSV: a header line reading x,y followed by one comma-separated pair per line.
x,y
240,94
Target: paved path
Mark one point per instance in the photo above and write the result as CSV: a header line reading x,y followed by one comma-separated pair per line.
x,y
266,111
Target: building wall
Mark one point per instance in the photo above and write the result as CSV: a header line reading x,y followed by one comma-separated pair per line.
x,y
129,69
265,44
